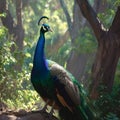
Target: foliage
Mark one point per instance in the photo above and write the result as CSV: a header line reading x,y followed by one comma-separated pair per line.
x,y
111,116
12,86
107,17
113,4
62,54
117,2
26,99
109,103
85,43
7,78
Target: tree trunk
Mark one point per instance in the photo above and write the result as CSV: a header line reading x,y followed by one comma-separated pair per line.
x,y
19,31
107,57
108,51
73,64
76,62
15,29
75,59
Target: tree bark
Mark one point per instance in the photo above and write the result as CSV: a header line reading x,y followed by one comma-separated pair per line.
x,y
108,51
76,65
19,31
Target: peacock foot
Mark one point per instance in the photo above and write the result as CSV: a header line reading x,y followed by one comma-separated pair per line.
x,y
44,109
52,109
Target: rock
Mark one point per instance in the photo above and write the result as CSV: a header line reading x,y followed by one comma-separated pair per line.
x,y
8,117
24,115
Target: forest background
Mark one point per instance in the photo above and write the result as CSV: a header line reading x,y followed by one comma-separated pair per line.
x,y
72,44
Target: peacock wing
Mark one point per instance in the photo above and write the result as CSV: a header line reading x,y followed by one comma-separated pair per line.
x,y
64,78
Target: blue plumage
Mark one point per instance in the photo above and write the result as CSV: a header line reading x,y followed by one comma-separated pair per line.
x,y
56,86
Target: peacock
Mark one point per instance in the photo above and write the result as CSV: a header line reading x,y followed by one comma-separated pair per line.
x,y
57,87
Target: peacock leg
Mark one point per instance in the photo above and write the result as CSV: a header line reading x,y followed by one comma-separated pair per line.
x,y
52,109
45,106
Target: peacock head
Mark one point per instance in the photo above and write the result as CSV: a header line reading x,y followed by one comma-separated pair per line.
x,y
44,27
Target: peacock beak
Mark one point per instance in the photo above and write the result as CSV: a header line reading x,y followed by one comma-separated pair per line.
x,y
50,30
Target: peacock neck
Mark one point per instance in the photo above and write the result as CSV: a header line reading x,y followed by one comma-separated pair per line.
x,y
40,62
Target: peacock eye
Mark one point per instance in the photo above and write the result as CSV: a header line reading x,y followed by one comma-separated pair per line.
x,y
44,28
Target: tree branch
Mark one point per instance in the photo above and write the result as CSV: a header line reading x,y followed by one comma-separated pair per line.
x,y
91,16
116,22
62,39
64,7
18,12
